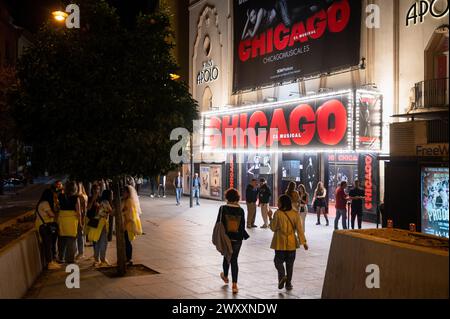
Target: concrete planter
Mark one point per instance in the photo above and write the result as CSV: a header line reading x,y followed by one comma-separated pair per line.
x,y
20,265
406,271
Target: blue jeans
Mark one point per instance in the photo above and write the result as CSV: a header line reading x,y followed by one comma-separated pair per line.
x,y
100,246
179,193
197,194
339,213
80,240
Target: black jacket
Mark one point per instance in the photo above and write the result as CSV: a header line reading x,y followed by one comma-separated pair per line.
x,y
264,194
251,194
233,218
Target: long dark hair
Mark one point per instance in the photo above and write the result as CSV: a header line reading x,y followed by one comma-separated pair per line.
x,y
291,189
285,203
47,196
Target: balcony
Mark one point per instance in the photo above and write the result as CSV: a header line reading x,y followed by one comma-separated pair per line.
x,y
430,95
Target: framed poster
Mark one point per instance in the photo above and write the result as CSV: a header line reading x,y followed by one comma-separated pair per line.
x,y
186,178
216,181
205,187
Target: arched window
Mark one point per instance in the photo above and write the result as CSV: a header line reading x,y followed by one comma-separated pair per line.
x,y
436,55
207,101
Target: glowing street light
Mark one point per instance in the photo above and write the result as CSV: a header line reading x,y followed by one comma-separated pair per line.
x,y
174,77
59,16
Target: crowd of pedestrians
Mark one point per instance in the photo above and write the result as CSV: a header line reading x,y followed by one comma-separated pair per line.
x,y
68,220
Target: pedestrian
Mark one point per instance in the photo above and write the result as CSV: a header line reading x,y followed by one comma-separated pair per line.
x,y
93,206
68,221
341,206
357,195
152,186
139,182
251,197
162,185
319,202
264,194
131,210
178,184
47,228
57,189
294,196
98,229
287,238
83,197
304,200
233,218
196,188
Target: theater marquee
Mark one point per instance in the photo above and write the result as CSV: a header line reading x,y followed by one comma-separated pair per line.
x,y
326,123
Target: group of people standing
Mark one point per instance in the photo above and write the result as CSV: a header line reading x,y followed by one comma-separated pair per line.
x,y
67,219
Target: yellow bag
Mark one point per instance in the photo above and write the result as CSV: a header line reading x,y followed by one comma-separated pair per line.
x,y
68,223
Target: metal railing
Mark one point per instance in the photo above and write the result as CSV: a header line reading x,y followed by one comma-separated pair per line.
x,y
430,94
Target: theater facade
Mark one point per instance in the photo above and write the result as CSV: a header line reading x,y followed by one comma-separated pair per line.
x,y
300,92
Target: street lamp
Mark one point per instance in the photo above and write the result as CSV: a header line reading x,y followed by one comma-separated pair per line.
x,y
59,16
174,77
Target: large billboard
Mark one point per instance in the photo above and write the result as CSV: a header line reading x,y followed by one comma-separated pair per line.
x,y
320,123
368,120
282,40
434,201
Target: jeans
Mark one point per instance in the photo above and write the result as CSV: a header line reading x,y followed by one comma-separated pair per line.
x,y
234,261
111,228
80,240
179,193
128,247
67,248
48,245
282,257
100,246
251,214
339,213
358,214
197,194
161,190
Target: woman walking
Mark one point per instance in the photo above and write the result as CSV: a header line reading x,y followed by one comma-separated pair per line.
x,y
131,210
287,238
68,221
319,202
98,230
233,218
304,200
47,228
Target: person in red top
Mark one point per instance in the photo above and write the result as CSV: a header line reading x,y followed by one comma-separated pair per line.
x,y
341,206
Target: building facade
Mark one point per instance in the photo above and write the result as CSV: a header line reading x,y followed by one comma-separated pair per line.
x,y
281,65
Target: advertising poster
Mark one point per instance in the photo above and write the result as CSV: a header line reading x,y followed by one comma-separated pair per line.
x,y
434,202
320,123
369,180
369,122
216,181
231,171
257,166
205,187
282,40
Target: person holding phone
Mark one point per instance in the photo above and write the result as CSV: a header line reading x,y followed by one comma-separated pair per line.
x,y
357,195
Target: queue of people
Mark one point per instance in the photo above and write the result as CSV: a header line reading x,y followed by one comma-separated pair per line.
x,y
67,219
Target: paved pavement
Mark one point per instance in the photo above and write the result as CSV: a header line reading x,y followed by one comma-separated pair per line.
x,y
177,244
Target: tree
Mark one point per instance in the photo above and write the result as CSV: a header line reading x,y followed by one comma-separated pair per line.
x,y
8,82
98,102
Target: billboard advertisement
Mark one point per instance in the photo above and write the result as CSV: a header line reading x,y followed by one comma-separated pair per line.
x,y
315,123
369,179
369,121
282,40
434,201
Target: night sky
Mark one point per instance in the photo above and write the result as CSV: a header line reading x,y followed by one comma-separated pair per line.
x,y
31,14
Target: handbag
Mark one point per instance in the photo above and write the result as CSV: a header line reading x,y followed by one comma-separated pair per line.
x,y
49,229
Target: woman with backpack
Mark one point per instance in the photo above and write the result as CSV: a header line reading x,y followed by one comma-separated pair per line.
x,y
288,237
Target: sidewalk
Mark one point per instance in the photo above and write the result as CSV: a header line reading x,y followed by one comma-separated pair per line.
x,y
177,244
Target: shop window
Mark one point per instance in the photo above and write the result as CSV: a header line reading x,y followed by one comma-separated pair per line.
x,y
207,45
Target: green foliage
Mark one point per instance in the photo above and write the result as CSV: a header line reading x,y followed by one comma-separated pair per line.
x,y
98,101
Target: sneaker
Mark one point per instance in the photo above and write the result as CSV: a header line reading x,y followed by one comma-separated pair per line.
x,y
317,224
225,279
264,226
282,282
235,288
152,196
53,265
289,287
105,264
254,226
164,196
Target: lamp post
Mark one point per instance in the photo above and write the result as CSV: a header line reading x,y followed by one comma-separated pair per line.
x,y
59,16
